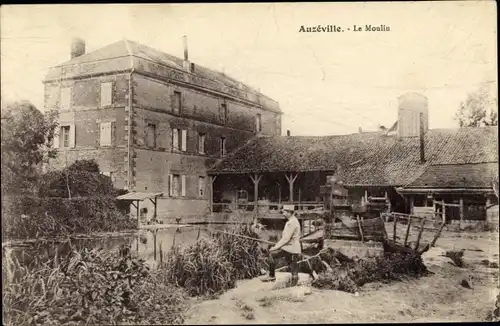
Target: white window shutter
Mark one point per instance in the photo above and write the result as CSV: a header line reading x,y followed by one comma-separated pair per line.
x,y
183,185
65,98
175,138
72,135
201,144
113,133
171,184
184,140
105,136
55,142
106,93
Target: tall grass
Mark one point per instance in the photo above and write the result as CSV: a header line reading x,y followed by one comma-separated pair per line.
x,y
211,266
88,287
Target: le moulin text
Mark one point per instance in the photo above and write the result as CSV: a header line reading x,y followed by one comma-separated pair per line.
x,y
340,29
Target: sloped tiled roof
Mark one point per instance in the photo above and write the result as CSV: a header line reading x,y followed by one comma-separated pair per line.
x,y
480,175
365,158
126,55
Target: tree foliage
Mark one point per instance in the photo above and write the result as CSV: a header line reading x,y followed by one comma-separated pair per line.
x,y
27,136
479,108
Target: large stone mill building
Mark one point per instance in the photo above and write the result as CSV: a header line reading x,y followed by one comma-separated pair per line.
x,y
153,122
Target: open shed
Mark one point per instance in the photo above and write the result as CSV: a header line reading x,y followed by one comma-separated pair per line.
x,y
136,197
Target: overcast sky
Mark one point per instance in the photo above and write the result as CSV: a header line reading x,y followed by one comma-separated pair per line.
x,y
326,83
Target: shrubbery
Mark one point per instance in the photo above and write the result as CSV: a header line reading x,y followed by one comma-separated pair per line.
x,y
352,275
32,217
89,287
92,206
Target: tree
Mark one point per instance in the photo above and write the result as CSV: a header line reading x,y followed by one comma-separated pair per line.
x,y
479,108
27,136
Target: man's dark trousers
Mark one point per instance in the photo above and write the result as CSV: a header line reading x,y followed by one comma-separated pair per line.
x,y
291,260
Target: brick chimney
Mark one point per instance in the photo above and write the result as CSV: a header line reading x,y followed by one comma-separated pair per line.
x,y
188,66
288,133
77,47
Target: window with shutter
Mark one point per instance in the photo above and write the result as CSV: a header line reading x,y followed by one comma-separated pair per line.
x,y
183,186
184,140
171,184
65,98
65,136
175,139
177,102
57,137
175,185
151,135
105,136
201,186
223,113
72,136
106,93
223,146
201,143
258,126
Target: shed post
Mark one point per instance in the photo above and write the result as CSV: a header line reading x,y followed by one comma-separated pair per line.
x,y
256,179
461,210
291,179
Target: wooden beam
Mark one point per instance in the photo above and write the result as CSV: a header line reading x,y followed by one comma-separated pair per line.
x,y
138,216
411,204
156,211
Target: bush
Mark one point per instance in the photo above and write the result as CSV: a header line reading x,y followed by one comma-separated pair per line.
x,y
89,287
30,217
457,257
355,274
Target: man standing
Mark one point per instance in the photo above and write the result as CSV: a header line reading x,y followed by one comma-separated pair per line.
x,y
288,247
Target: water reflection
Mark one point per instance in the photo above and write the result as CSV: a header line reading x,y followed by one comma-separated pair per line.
x,y
148,244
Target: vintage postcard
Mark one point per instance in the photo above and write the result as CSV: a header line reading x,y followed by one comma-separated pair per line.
x,y
240,163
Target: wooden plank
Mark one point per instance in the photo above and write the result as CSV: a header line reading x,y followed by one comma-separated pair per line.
x,y
433,242
420,234
394,228
383,224
360,229
392,246
407,230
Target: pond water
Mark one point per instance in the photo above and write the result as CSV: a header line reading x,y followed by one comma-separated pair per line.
x,y
147,244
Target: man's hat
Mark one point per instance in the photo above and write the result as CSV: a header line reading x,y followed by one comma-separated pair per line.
x,y
289,208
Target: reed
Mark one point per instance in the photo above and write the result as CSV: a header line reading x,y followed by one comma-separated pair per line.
x,y
89,287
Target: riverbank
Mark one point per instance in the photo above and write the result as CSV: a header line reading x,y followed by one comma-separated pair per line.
x,y
435,298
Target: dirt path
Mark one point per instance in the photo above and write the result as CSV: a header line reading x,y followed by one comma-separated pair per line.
x,y
438,297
